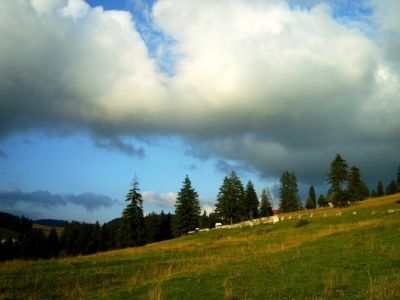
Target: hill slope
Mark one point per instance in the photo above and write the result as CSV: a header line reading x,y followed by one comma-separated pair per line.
x,y
352,255
51,222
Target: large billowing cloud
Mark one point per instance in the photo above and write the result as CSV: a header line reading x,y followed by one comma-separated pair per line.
x,y
259,82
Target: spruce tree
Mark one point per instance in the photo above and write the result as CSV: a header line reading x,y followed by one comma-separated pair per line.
x,y
398,178
311,199
392,188
322,201
166,226
380,189
187,209
288,193
266,203
204,220
357,189
250,202
133,227
52,244
337,175
229,199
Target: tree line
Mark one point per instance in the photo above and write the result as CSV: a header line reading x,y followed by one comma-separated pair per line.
x,y
22,241
235,203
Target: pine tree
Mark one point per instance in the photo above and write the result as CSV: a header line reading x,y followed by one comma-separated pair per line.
x,y
392,188
166,226
398,178
250,202
133,227
288,193
337,175
322,201
204,220
52,244
357,189
266,203
380,189
152,225
229,198
187,209
311,200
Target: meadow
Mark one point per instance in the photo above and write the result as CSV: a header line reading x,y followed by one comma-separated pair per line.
x,y
355,255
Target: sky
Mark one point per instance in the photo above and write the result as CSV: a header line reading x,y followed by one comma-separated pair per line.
x,y
95,93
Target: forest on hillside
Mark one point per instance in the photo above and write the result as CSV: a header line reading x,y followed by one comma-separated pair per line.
x,y
235,203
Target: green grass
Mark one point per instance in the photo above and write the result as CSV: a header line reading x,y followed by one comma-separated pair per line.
x,y
352,256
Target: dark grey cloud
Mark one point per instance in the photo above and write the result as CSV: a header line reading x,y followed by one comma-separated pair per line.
x,y
90,201
40,198
227,167
115,143
286,90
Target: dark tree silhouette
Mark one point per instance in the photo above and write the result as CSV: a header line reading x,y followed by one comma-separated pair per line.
x,y
229,199
187,209
311,200
266,203
288,193
133,230
250,203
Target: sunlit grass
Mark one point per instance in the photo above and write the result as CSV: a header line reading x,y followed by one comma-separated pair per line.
x,y
355,255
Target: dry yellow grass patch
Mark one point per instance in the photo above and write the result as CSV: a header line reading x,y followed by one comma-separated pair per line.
x,y
46,229
378,201
384,288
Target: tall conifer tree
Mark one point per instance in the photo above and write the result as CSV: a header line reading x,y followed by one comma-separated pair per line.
x,y
250,202
133,227
322,201
398,178
311,200
52,244
229,199
338,174
187,209
392,188
288,193
266,203
380,189
357,189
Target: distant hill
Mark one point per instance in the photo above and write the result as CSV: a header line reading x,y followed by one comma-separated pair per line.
x,y
51,222
115,222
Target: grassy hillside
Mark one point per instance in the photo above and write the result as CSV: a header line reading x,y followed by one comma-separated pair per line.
x,y
352,256
46,229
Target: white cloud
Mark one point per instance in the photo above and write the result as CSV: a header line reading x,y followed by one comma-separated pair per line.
x,y
163,200
256,81
208,208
